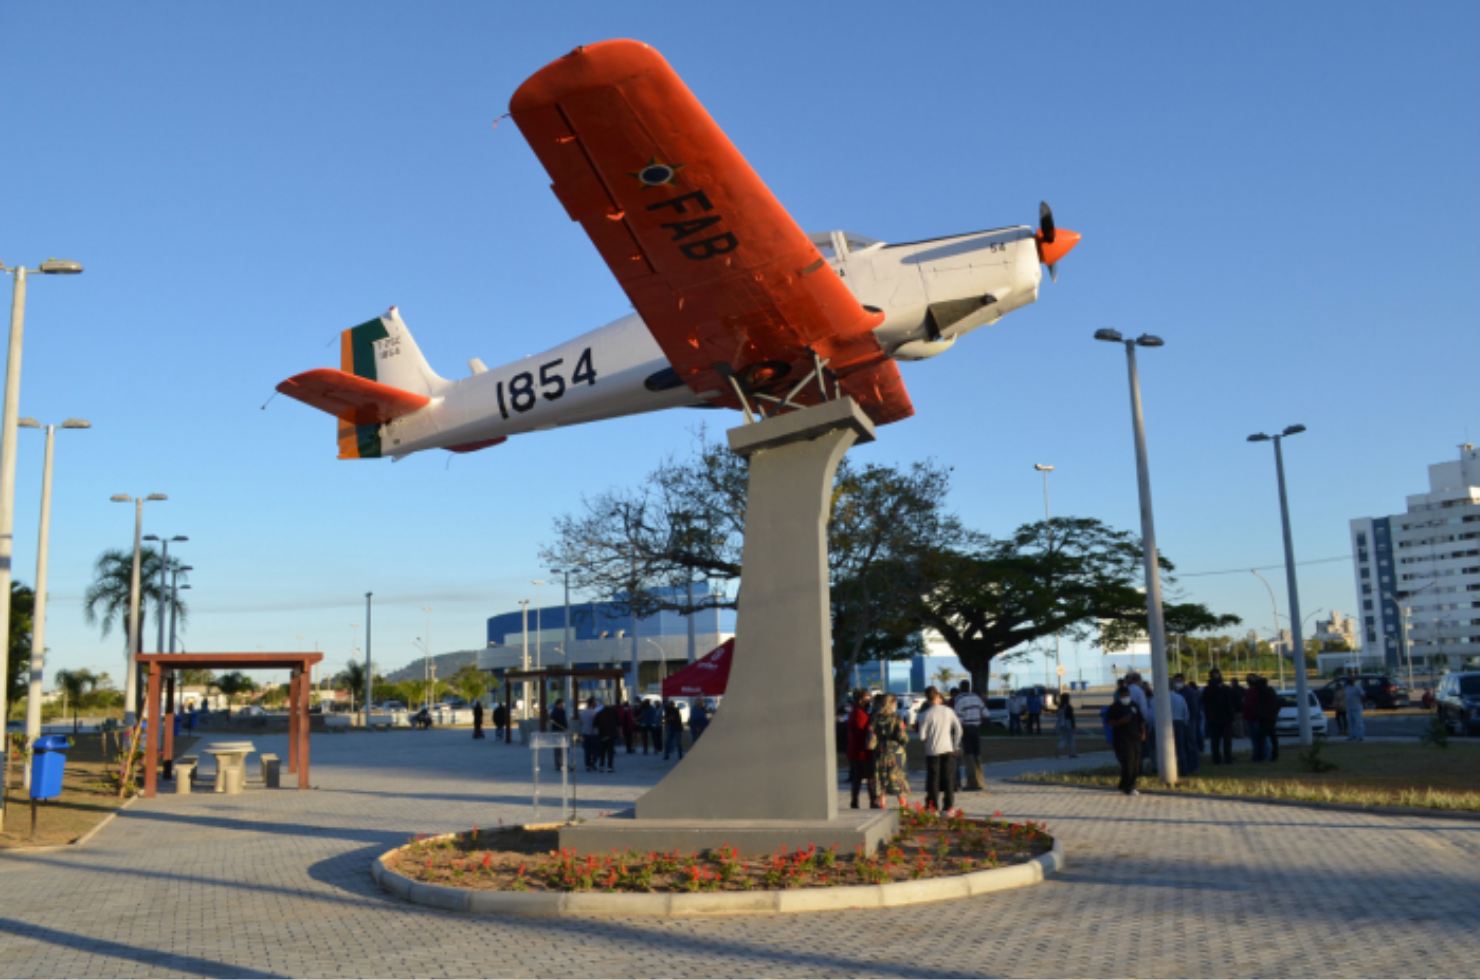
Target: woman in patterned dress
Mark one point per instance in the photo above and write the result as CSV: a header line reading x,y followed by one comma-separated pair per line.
x,y
890,738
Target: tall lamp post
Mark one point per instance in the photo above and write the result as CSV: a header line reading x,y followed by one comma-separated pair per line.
x,y
524,665
1046,469
175,588
8,420
1404,622
164,564
1302,698
1166,746
431,670
38,627
565,652
131,678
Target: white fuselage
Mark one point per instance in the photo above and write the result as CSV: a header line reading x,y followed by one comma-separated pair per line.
x,y
932,293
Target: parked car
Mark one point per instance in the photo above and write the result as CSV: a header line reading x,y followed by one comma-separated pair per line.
x,y
1288,722
1050,697
1457,702
997,712
391,706
1378,691
453,701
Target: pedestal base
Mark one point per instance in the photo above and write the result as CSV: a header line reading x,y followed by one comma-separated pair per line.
x,y
749,837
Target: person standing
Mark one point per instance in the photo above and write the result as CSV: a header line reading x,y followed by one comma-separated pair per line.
x,y
1218,709
1128,730
1181,725
477,719
971,711
673,721
1356,710
1236,693
940,731
890,742
1035,712
652,728
1268,709
608,723
1338,704
1014,715
1065,727
628,717
860,749
1251,719
1195,721
500,715
559,722
589,740
698,720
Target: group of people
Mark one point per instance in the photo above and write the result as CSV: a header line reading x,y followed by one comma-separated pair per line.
x,y
601,726
1217,714
876,738
1025,712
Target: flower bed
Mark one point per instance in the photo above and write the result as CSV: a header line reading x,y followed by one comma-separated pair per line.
x,y
528,859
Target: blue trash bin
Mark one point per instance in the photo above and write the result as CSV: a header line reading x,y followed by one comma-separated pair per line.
x,y
48,761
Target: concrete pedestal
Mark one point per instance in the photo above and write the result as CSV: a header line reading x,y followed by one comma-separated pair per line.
x,y
622,831
766,765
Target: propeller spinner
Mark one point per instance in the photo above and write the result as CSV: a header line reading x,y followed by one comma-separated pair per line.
x,y
1053,244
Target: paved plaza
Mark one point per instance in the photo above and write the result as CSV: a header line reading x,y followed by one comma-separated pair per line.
x,y
278,884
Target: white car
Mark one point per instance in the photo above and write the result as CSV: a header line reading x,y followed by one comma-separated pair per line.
x,y
997,711
1288,722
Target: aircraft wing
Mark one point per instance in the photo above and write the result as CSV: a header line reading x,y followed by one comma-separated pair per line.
x,y
722,275
353,399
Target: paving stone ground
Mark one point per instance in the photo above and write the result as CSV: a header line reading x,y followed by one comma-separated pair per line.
x,y
278,884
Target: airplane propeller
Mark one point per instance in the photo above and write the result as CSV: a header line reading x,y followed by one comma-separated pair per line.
x,y
1053,244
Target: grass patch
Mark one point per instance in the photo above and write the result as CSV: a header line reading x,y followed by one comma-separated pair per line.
x,y
85,801
1366,774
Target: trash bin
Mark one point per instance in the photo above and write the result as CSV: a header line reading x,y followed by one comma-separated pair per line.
x,y
48,761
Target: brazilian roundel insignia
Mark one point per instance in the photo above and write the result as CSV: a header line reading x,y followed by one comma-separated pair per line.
x,y
656,174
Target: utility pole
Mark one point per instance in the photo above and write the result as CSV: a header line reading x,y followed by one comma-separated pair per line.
x,y
369,676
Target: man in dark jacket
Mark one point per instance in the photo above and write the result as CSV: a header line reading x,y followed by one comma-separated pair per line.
x,y
1128,730
500,721
477,719
860,755
559,722
1268,709
1218,711
608,727
673,722
1251,719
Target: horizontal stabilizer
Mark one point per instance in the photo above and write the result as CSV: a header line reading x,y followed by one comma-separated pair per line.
x,y
350,398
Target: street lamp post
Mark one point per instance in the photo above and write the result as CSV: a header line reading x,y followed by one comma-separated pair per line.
x,y
565,653
131,679
1404,622
1046,469
524,664
1302,699
1279,660
8,422
369,676
175,588
164,564
431,669
38,625
539,625
1166,746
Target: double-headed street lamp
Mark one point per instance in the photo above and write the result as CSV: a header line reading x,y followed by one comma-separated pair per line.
x,y
131,679
1302,698
8,419
164,564
1166,745
38,625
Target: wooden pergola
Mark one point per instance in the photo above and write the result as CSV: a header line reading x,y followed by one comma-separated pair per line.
x,y
161,711
541,677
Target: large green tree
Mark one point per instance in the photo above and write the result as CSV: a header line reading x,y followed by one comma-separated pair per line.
x,y
1075,577
22,608
641,545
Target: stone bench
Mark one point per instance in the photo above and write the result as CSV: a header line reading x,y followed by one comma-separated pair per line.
x,y
271,768
185,773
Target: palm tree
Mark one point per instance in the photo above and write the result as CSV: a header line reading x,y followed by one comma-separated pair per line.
x,y
233,684
107,598
944,676
75,684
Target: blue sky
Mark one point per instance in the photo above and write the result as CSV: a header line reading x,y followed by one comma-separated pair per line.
x,y
1285,192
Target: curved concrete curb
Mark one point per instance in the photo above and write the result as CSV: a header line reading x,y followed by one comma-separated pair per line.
x,y
1376,811
720,903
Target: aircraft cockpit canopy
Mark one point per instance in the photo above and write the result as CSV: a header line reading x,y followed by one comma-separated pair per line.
x,y
835,245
